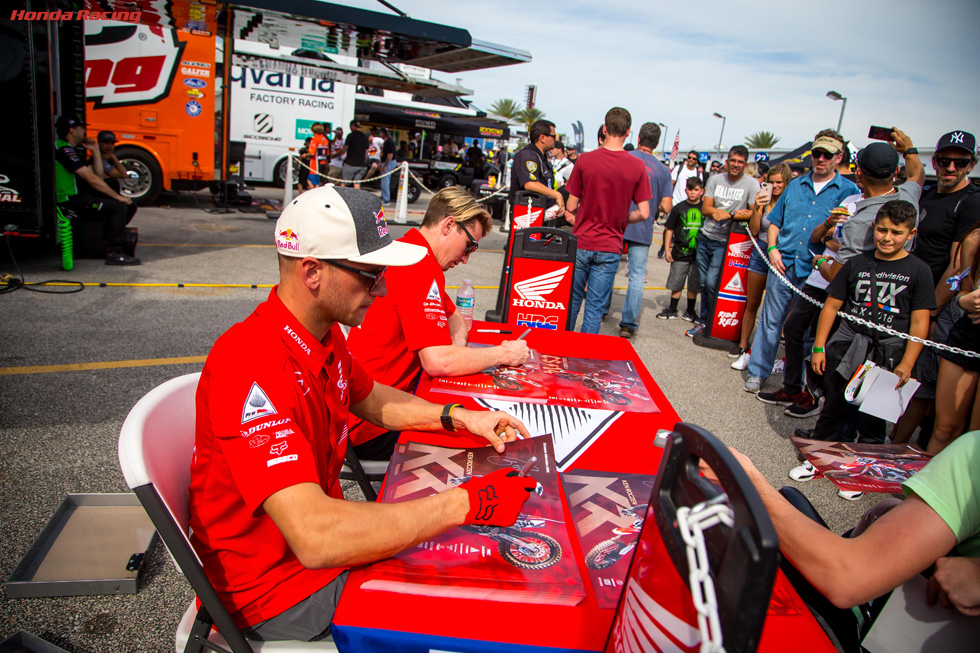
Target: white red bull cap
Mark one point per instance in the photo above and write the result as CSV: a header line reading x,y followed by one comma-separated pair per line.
x,y
341,223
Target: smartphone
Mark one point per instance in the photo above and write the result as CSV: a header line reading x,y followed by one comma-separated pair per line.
x,y
880,133
766,187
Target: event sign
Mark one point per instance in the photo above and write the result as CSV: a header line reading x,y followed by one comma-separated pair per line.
x,y
864,467
726,323
529,562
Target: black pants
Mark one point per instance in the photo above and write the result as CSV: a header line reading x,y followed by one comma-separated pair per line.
x,y
379,448
838,417
113,215
802,317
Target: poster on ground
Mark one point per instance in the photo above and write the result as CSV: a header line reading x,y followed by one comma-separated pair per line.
x,y
558,380
864,467
529,562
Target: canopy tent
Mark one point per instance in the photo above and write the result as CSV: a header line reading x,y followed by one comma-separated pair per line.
x,y
429,120
798,157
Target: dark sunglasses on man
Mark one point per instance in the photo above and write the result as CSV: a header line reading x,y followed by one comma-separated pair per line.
x,y
377,278
943,162
473,246
822,154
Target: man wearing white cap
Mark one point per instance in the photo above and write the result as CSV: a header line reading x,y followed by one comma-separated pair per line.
x,y
269,519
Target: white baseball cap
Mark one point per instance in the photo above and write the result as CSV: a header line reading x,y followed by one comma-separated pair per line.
x,y
341,223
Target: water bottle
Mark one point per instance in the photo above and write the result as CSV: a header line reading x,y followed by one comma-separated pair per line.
x,y
466,301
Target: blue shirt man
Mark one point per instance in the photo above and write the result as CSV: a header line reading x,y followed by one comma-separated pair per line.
x,y
804,204
639,235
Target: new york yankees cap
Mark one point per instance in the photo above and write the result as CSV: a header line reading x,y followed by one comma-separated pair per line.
x,y
341,223
961,139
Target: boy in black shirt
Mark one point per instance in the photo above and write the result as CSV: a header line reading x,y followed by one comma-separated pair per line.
x,y
889,287
683,226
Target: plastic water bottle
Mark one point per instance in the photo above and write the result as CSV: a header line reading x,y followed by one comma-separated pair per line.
x,y
466,302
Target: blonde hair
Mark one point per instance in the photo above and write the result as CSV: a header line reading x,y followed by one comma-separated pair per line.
x,y
457,202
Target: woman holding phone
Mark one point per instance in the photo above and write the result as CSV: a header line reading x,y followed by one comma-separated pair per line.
x,y
771,189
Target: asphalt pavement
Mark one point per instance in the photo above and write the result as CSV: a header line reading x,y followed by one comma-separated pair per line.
x,y
59,427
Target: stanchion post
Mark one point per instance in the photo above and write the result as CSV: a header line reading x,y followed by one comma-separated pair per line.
x,y
288,195
402,211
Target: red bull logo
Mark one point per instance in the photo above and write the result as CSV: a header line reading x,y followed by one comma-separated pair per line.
x,y
288,240
379,219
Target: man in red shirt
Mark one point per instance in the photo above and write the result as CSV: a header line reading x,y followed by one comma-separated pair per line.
x,y
602,185
268,516
416,326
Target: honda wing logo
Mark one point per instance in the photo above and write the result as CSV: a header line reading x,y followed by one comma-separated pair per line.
x,y
741,250
528,219
645,625
129,64
537,288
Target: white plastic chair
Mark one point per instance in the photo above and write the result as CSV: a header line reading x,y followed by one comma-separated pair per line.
x,y
155,448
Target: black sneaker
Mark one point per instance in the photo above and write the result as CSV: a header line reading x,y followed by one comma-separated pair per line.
x,y
660,254
804,433
667,314
781,397
735,351
121,259
690,316
805,407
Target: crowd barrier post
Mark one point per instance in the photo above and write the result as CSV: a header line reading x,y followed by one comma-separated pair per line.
x,y
724,327
401,210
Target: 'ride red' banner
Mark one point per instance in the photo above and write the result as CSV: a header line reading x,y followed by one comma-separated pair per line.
x,y
726,323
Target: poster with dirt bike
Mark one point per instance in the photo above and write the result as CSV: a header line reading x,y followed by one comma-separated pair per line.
x,y
607,509
528,562
559,380
864,467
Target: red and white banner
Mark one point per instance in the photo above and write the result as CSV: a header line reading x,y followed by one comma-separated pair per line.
x,y
726,323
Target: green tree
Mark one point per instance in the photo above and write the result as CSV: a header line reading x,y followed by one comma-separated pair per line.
x,y
761,140
528,117
506,108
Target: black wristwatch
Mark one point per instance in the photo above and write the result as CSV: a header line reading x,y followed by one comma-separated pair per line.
x,y
911,150
447,421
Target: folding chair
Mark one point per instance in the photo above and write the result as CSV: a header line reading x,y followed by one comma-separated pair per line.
x,y
156,444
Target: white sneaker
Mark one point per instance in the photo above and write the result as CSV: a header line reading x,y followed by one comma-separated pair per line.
x,y
850,495
742,361
804,472
779,366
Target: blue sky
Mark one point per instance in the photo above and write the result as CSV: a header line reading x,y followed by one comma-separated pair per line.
x,y
763,65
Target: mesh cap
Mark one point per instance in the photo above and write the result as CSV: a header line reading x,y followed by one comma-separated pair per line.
x,y
341,223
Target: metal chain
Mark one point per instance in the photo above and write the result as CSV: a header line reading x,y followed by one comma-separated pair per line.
x,y
503,189
692,522
860,320
347,181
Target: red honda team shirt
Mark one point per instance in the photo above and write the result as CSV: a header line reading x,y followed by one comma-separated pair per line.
x,y
272,408
605,182
412,316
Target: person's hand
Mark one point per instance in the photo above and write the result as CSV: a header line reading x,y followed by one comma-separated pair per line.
x,y
495,426
777,261
750,469
125,200
460,342
902,141
497,498
560,203
514,352
89,144
763,197
668,255
904,373
956,584
818,362
742,214
837,215
970,302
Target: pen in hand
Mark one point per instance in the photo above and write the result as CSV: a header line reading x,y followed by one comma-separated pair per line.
x,y
524,335
530,463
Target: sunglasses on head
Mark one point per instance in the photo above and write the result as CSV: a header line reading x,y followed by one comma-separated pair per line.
x,y
376,277
473,246
822,154
944,161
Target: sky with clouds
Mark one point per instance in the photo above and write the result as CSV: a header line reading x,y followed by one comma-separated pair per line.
x,y
763,65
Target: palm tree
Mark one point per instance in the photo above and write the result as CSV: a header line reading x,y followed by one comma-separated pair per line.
x,y
761,140
506,108
529,116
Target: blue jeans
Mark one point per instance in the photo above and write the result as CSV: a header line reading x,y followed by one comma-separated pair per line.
x,y
638,256
769,325
711,255
597,270
386,182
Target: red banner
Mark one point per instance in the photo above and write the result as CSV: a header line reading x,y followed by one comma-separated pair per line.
x,y
726,323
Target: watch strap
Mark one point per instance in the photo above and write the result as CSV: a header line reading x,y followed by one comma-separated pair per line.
x,y
446,419
910,150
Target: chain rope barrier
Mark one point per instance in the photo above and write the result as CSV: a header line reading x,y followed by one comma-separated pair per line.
x,y
860,320
692,522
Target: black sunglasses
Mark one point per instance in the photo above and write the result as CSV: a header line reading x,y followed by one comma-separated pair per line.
x,y
944,161
473,246
822,154
376,277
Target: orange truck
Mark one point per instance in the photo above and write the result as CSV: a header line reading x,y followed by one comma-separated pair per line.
x,y
155,89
